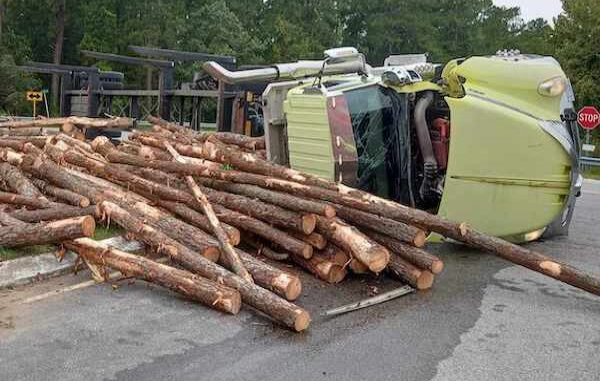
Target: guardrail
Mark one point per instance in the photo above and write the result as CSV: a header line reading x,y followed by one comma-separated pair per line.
x,y
593,161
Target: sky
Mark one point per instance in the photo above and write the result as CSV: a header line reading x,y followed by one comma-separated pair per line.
x,y
531,9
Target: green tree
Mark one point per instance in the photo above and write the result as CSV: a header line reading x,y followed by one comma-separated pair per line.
x,y
577,41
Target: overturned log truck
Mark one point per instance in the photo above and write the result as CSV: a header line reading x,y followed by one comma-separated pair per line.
x,y
490,141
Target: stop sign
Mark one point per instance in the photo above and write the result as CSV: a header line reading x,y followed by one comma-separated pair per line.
x,y
588,118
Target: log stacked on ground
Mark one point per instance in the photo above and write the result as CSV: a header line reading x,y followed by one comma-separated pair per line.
x,y
194,196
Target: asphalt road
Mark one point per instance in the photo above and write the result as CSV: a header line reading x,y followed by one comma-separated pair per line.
x,y
484,320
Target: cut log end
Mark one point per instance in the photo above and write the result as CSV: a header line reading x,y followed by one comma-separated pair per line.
x,y
437,267
357,267
230,303
425,280
336,274
309,223
302,321
307,251
212,254
88,226
288,285
378,260
329,211
420,239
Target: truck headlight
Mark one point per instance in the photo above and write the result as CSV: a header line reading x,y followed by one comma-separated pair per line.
x,y
553,87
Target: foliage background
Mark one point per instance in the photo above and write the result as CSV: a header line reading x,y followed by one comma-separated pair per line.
x,y
267,31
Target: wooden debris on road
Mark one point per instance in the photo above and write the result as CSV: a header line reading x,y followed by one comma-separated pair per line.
x,y
210,203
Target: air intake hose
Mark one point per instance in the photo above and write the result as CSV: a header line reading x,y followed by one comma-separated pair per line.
x,y
430,166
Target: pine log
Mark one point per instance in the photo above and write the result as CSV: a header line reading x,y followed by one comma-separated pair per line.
x,y
284,200
263,274
231,217
76,120
230,256
55,174
174,128
316,240
61,194
17,199
242,141
395,229
262,249
367,251
22,132
10,156
178,230
416,256
272,214
357,267
410,274
275,215
218,152
199,220
52,232
192,286
60,212
74,142
17,142
271,278
142,185
277,308
18,183
103,146
323,268
335,255
8,220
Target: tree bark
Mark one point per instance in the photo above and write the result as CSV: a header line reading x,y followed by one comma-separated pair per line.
x,y
176,229
17,182
230,256
392,228
104,147
416,256
335,255
114,123
242,141
316,240
321,267
367,251
410,274
199,220
47,169
231,217
183,282
10,156
55,213
272,278
17,199
60,12
277,308
62,194
283,200
52,232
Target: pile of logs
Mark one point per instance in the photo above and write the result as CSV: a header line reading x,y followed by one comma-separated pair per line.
x,y
225,217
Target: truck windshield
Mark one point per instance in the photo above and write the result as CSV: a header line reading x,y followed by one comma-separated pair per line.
x,y
379,119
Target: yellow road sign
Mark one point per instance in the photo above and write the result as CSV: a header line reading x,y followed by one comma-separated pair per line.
x,y
34,96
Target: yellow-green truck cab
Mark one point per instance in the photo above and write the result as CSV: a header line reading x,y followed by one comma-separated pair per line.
x,y
491,141
507,163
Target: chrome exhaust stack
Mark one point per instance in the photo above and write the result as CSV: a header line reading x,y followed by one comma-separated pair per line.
x,y
337,61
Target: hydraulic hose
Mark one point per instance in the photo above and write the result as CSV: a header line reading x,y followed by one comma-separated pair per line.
x,y
430,165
